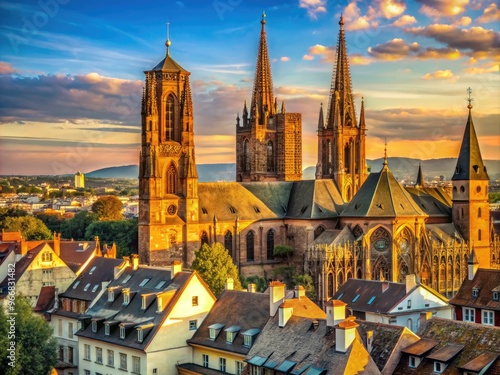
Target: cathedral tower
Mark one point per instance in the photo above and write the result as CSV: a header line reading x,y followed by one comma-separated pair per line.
x,y
341,139
268,139
168,181
470,209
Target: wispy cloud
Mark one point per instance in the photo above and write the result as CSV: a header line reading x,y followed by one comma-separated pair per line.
x,y
438,8
313,7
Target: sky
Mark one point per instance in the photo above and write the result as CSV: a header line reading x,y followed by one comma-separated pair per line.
x,y
71,74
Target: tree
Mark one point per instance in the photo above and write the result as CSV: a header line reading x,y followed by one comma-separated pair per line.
x,y
260,282
123,233
283,251
108,207
52,220
215,266
10,212
75,228
33,347
30,227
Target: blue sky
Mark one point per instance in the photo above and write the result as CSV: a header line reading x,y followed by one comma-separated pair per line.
x,y
71,74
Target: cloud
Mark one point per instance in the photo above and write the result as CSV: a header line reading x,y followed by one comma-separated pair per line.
x,y
446,75
307,57
439,53
327,53
490,14
439,8
358,59
392,8
313,7
476,39
395,49
491,67
404,21
69,97
463,21
285,58
353,19
6,68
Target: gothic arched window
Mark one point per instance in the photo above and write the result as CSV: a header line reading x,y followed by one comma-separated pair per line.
x,y
330,286
479,234
320,229
270,244
228,242
169,118
250,246
479,212
340,279
204,237
270,157
381,269
246,156
171,180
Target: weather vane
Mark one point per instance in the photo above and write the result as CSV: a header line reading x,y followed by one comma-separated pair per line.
x,y
469,99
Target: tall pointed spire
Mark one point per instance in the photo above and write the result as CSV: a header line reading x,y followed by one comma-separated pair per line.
x,y
362,124
470,164
321,121
262,95
420,177
385,164
341,84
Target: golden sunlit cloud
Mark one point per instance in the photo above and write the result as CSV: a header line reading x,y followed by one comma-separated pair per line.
x,y
491,67
439,8
463,21
392,8
446,75
395,49
404,21
439,53
490,14
327,53
353,19
307,57
285,58
358,59
313,7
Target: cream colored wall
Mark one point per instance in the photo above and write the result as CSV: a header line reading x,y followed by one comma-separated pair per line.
x,y
63,336
213,358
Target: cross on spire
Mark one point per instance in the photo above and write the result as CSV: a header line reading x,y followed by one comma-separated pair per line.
x,y
168,43
469,99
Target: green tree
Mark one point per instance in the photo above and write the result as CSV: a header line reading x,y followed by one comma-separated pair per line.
x,y
35,348
494,197
123,233
30,227
52,220
10,212
283,251
260,282
108,207
215,266
75,228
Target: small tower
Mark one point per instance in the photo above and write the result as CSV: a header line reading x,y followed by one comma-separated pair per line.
x,y
341,139
263,134
168,181
470,207
420,177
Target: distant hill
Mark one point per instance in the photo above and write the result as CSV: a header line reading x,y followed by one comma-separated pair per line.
x,y
402,168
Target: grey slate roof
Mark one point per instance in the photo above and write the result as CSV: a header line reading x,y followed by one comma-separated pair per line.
x,y
382,196
435,202
335,237
470,164
169,65
234,308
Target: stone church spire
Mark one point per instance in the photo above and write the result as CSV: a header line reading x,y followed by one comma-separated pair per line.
x,y
262,95
420,177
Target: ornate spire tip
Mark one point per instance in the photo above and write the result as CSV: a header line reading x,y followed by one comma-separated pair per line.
x,y
469,99
263,21
341,22
168,43
385,153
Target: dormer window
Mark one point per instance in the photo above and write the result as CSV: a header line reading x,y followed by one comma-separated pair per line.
x,y
249,336
159,303
495,296
106,329
439,366
214,330
111,295
414,361
231,333
140,335
94,326
144,302
475,292
126,296
122,332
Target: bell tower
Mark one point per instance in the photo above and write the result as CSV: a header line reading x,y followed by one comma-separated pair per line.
x,y
168,181
470,207
341,139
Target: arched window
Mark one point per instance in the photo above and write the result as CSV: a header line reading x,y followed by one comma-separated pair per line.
x,y
171,180
270,244
318,231
270,157
425,273
340,279
347,158
169,118
246,156
479,234
381,270
204,237
449,271
228,242
479,212
250,246
409,324
359,274
330,285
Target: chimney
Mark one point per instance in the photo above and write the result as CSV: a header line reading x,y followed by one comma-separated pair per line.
x,y
299,291
285,312
424,317
229,284
345,332
135,261
118,270
472,265
251,288
411,282
335,312
176,267
24,247
385,286
369,340
57,244
276,296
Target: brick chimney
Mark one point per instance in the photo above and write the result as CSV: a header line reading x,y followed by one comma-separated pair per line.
x,y
335,312
299,291
57,244
176,267
251,288
411,282
285,311
345,332
276,296
385,286
24,247
424,318
229,284
135,261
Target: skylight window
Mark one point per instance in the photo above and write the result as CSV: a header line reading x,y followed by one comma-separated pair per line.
x,y
160,284
95,288
370,301
86,287
92,270
76,284
125,280
144,282
356,298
